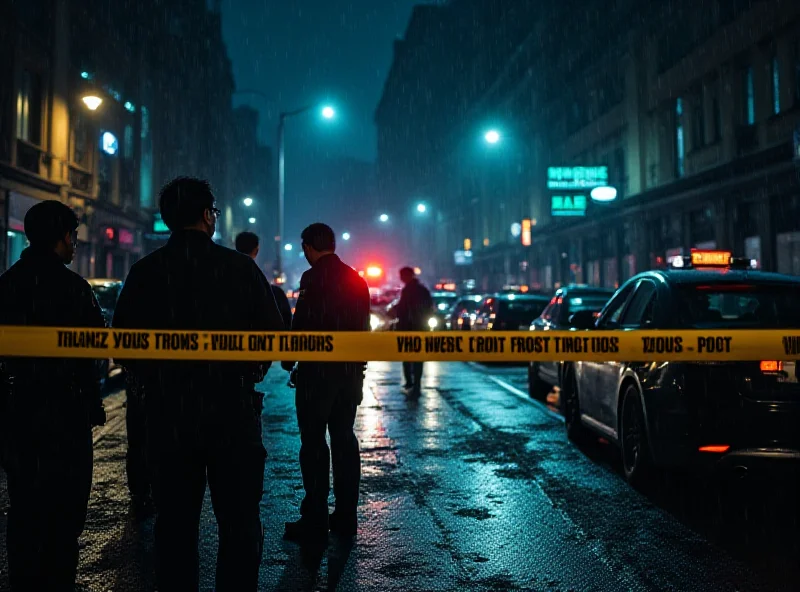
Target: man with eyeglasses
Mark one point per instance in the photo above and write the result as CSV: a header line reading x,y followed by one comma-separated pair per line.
x,y
199,415
47,407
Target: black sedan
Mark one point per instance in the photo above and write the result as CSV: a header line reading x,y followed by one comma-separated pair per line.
x,y
509,312
543,376
741,415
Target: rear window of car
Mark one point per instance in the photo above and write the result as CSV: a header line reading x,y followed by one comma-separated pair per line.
x,y
747,305
522,309
577,303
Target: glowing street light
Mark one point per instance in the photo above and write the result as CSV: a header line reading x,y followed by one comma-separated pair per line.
x,y
248,201
251,220
287,246
346,236
422,208
492,137
328,112
384,217
92,102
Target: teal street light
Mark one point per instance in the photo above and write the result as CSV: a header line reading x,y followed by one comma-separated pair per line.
x,y
346,236
328,112
251,220
287,246
492,136
421,208
384,218
248,201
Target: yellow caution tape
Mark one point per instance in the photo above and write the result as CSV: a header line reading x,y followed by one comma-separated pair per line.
x,y
621,346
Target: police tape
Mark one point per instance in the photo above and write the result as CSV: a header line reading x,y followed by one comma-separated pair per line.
x,y
521,346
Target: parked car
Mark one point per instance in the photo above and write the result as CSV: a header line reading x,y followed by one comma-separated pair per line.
x,y
107,290
509,312
543,376
722,416
442,303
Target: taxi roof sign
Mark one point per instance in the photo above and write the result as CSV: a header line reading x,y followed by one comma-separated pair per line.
x,y
705,258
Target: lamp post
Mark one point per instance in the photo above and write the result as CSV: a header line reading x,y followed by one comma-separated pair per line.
x,y
328,113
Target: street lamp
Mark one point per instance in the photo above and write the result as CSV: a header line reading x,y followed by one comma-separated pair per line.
x,y
346,236
92,102
251,220
492,136
421,208
384,218
248,201
328,113
287,247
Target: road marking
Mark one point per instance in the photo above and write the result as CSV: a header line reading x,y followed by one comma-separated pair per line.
x,y
518,393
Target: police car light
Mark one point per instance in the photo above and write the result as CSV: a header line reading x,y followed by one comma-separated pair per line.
x,y
703,258
374,271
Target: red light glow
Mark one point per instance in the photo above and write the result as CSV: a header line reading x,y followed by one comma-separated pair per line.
x,y
374,271
715,448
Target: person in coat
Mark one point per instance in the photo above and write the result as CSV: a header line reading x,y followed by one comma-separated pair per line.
x,y
412,313
332,297
49,407
199,415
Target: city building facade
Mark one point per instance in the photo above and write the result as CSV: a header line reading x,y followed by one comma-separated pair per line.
x,y
160,83
688,111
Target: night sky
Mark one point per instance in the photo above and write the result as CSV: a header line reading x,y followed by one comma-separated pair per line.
x,y
303,51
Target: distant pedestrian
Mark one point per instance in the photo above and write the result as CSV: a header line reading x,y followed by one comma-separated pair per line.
x,y
412,313
247,244
332,298
49,409
199,415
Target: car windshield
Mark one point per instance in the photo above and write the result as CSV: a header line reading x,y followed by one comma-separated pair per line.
x,y
107,295
522,310
746,305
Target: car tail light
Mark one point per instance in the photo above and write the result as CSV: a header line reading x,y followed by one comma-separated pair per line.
x,y
768,366
715,448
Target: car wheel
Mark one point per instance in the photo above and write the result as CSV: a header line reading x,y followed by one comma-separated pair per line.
x,y
636,459
570,406
537,388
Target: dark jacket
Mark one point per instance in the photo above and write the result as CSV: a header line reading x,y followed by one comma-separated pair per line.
x,y
283,305
192,283
332,297
414,308
40,290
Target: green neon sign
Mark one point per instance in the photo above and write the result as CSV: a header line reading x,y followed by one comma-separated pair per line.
x,y
579,177
158,225
568,205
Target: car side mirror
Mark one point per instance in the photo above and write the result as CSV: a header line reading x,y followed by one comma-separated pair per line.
x,y
583,319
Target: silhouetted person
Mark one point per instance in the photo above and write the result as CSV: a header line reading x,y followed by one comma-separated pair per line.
x,y
412,313
49,408
247,244
332,297
199,415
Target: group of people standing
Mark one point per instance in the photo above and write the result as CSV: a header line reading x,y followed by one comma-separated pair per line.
x,y
199,422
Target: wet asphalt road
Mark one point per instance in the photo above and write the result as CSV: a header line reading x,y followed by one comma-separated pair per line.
x,y
470,487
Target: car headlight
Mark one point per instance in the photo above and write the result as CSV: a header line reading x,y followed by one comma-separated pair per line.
x,y
433,322
375,322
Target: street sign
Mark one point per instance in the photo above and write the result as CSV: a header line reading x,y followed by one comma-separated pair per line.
x,y
568,205
578,177
463,257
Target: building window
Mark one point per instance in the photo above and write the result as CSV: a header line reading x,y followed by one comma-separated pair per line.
x,y
127,143
29,108
749,96
698,126
679,147
717,119
776,86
